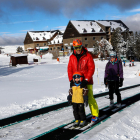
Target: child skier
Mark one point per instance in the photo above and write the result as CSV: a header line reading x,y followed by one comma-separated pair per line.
x,y
78,97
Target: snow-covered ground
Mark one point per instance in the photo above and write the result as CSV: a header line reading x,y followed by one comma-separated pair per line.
x,y
28,87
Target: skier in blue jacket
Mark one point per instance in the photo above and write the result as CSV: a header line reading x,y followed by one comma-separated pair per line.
x,y
114,78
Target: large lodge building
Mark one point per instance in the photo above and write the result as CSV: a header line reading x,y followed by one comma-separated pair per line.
x,y
89,31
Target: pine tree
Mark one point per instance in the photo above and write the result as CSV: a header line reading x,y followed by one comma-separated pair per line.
x,y
130,52
137,49
117,41
19,49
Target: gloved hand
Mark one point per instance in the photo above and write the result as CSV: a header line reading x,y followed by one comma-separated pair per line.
x,y
105,82
85,100
70,92
121,82
69,98
71,83
84,84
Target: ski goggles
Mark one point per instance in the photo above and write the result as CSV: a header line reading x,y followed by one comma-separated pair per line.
x,y
77,76
112,57
78,47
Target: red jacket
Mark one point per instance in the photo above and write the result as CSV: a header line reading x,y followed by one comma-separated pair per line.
x,y
85,65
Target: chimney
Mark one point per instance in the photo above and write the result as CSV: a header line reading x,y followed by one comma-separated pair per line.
x,y
91,23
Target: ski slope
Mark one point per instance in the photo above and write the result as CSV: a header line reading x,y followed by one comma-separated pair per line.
x,y
28,87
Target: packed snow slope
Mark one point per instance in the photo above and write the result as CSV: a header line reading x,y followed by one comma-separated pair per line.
x,y
28,87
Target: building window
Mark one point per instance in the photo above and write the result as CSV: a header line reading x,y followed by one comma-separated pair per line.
x,y
86,45
101,30
44,38
54,48
50,48
66,47
84,30
93,38
44,44
86,38
71,34
102,37
92,30
37,45
58,48
70,26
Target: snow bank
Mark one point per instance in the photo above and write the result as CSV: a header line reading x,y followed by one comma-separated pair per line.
x,y
11,49
47,56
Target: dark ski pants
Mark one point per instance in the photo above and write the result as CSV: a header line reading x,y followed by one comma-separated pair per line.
x,y
79,111
114,87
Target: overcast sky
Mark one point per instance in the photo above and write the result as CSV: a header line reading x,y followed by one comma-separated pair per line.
x,y
19,16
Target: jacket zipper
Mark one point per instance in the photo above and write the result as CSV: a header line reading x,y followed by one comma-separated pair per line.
x,y
79,61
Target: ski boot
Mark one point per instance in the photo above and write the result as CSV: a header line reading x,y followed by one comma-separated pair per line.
x,y
77,122
111,103
94,119
82,123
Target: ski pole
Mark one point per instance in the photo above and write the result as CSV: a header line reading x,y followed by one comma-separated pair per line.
x,y
137,72
97,74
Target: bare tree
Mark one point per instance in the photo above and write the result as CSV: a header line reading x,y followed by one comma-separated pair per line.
x,y
105,48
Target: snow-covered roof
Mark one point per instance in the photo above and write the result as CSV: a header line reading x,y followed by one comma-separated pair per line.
x,y
62,31
57,40
41,36
113,25
18,55
87,27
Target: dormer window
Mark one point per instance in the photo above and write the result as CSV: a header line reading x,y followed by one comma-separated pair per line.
x,y
101,30
92,30
58,41
40,34
37,38
78,25
54,42
84,30
44,38
110,23
33,38
113,29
